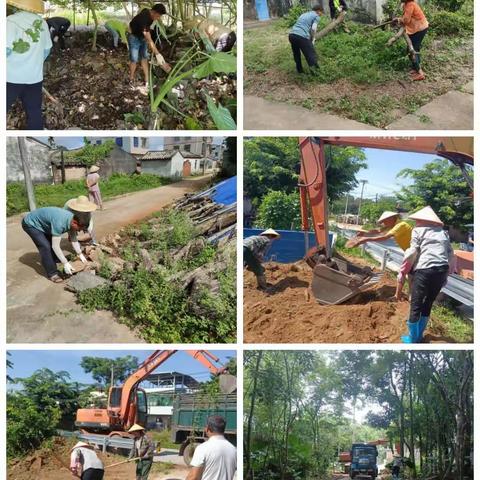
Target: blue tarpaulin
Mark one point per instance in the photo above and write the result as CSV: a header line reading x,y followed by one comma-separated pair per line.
x,y
225,192
289,248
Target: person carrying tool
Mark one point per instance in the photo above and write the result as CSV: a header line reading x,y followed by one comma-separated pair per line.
x,y
25,58
45,226
143,449
140,37
396,465
58,27
82,207
432,262
392,227
93,187
416,26
302,38
215,459
84,462
254,250
118,30
336,7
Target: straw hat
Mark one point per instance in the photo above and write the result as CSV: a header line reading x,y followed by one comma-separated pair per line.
x,y
136,428
386,215
270,231
81,204
94,169
81,444
35,6
427,215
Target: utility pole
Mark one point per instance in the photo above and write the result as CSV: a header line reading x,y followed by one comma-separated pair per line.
x,y
363,182
111,375
22,146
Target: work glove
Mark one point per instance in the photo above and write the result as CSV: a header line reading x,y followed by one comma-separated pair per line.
x,y
162,63
68,269
82,258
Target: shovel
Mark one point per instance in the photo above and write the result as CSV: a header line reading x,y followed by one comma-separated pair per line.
x,y
121,463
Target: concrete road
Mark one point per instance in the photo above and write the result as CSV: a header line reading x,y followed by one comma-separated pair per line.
x,y
39,311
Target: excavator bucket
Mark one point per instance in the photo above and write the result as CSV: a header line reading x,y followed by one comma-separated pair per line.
x,y
228,383
334,286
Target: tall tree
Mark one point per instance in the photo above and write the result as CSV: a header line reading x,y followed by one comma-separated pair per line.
x,y
109,371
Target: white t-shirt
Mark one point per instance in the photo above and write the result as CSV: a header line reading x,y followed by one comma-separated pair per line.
x,y
88,458
218,457
27,67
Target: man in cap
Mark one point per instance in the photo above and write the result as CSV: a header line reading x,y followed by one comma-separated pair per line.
x,y
84,462
140,39
392,227
28,46
215,459
92,183
45,226
58,28
254,250
143,449
83,208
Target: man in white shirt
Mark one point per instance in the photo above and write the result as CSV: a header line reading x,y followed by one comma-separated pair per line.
x,y
28,45
216,459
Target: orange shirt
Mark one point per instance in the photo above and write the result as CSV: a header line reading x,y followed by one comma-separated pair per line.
x,y
413,18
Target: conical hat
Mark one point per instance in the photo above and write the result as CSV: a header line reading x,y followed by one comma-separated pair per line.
x,y
136,428
427,215
94,169
81,444
35,6
81,204
270,231
386,215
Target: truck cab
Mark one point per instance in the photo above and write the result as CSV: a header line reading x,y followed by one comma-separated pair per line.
x,y
363,461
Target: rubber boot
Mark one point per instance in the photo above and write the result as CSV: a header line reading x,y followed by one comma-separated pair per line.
x,y
262,282
423,325
413,333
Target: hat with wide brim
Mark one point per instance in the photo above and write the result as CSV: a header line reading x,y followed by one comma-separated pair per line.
x,y
427,215
81,204
81,445
270,231
386,215
94,169
136,428
35,6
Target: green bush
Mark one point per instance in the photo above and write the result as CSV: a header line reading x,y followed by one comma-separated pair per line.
x,y
451,23
292,16
279,210
28,426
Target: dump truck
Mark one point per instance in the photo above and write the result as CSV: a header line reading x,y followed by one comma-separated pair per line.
x,y
363,461
190,413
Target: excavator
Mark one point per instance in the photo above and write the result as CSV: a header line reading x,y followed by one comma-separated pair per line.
x,y
335,279
127,403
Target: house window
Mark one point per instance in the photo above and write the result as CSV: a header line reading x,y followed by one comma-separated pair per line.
x,y
188,147
135,141
176,147
144,142
99,142
119,141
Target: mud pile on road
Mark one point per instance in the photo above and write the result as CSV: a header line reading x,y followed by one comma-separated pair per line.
x,y
53,464
289,313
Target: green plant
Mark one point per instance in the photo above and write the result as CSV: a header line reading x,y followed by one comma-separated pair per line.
x,y
221,116
292,16
279,210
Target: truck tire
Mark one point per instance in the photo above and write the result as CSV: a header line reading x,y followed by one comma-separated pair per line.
x,y
188,452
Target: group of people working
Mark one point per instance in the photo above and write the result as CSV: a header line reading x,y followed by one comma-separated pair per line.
x,y
302,34
30,39
46,226
215,459
428,260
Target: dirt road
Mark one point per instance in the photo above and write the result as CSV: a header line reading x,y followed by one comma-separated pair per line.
x,y
39,311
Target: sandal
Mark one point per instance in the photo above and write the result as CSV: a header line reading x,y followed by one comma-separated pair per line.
x,y
56,278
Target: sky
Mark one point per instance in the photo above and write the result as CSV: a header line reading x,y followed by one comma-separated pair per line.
x,y
77,142
383,167
25,362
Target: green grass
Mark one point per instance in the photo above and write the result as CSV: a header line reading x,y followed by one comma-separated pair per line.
x,y
163,438
353,252
452,324
57,195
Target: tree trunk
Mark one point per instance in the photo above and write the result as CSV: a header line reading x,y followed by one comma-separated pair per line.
x,y
410,395
22,146
95,30
332,25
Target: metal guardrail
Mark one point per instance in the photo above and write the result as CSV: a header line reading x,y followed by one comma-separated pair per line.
x,y
457,287
101,441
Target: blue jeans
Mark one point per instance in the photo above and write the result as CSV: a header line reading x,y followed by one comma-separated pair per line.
x,y
137,48
31,97
44,244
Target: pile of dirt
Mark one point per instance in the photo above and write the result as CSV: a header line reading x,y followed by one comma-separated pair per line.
x,y
288,312
53,464
91,91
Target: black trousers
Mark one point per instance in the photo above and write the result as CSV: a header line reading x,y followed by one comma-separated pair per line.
x,y
43,242
92,474
427,283
303,45
31,97
417,39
